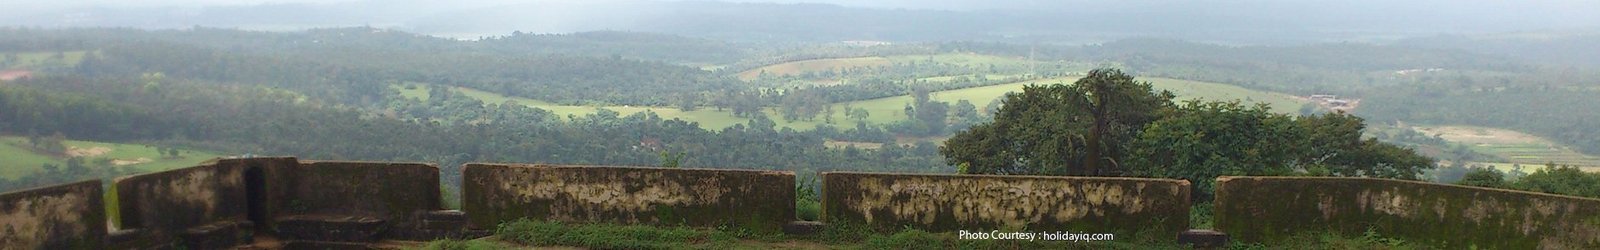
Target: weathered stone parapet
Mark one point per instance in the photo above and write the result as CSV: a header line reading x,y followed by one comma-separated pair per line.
x,y
758,200
945,203
398,192
169,202
70,216
1254,209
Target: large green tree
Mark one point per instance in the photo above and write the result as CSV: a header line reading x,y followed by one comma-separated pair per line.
x,y
1078,129
1334,147
1203,140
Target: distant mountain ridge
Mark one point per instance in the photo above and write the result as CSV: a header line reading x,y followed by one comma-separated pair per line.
x,y
1076,22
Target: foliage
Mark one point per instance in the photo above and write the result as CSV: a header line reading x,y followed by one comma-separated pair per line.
x,y
75,169
1565,180
1060,129
807,203
1483,177
1335,146
1202,215
1201,141
670,160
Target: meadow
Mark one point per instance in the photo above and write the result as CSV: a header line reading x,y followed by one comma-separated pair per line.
x,y
816,65
17,159
1532,152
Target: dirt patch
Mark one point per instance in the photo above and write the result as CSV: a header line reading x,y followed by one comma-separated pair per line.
x,y
121,162
86,152
8,75
789,244
1476,135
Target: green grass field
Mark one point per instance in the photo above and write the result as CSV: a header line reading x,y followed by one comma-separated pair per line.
x,y
1515,147
708,118
1188,90
25,60
1538,154
17,160
799,67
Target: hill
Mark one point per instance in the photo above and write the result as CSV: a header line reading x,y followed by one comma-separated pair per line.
x,y
882,110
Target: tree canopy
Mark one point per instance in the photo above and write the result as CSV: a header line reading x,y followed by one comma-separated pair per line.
x,y
1107,124
1060,129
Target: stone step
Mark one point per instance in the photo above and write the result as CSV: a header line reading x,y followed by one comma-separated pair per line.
x,y
803,227
218,235
325,245
330,228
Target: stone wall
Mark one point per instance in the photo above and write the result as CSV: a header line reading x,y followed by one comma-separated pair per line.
x,y
70,216
943,203
759,200
226,202
175,200
397,192
1455,217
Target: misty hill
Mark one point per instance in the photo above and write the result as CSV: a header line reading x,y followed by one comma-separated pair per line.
x,y
1569,47
1081,21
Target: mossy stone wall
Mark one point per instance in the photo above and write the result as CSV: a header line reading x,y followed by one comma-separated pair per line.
x,y
397,192
1255,209
758,200
943,203
171,201
70,216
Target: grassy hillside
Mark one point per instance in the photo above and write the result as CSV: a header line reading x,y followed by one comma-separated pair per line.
x,y
17,159
963,59
1516,147
883,110
818,65
1187,90
707,117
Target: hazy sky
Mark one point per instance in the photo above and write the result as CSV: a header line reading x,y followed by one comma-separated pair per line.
x,y
1360,17
1586,5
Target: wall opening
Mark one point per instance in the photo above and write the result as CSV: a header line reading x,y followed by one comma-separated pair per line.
x,y
256,196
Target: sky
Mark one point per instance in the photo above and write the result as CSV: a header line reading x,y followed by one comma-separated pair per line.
x,y
1589,5
1411,17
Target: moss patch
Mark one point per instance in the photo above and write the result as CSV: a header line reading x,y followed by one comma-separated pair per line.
x,y
1255,209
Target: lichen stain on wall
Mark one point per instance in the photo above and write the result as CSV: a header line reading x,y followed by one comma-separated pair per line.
x,y
24,225
1388,201
1012,203
628,193
195,189
1255,209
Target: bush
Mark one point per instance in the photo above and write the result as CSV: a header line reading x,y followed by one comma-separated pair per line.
x,y
1483,177
454,244
806,204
